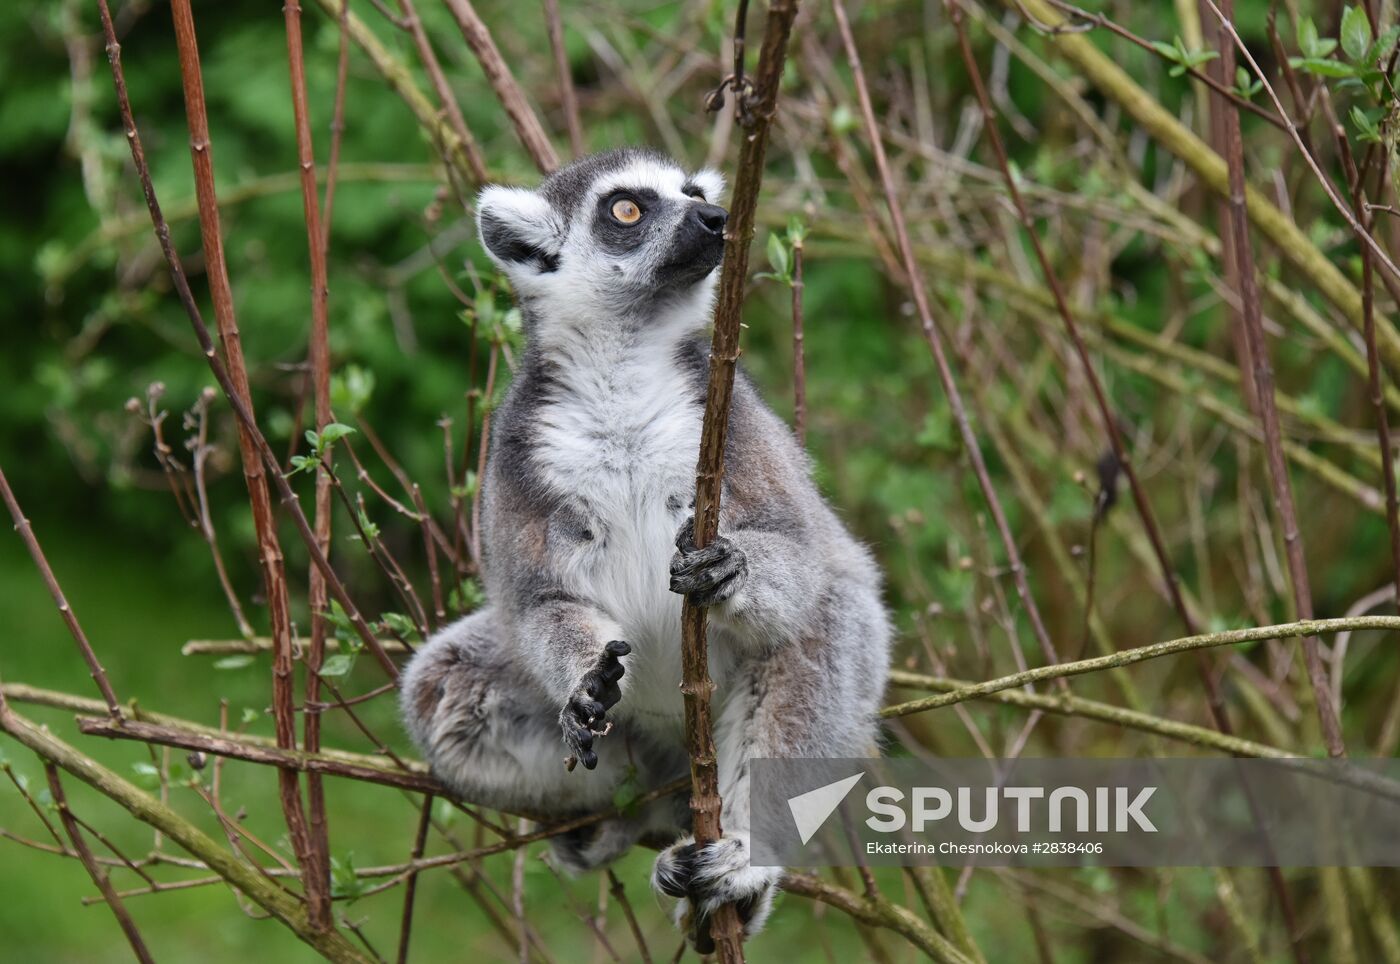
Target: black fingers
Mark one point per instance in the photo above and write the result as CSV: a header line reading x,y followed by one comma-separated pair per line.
x,y
711,574
585,714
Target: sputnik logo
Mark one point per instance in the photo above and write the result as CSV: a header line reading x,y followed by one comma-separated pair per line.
x,y
811,809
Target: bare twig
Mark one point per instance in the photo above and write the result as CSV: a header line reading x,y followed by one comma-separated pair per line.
x,y
98,875
498,74
1126,657
799,349
26,532
1263,375
420,841
318,242
568,97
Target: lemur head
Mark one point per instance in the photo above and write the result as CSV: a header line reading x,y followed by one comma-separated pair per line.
x,y
626,235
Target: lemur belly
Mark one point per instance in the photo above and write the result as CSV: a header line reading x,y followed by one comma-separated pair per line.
x,y
619,443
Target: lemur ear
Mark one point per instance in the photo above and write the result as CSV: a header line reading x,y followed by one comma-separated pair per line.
x,y
711,182
519,229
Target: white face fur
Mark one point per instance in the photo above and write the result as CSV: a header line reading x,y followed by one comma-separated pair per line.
x,y
625,240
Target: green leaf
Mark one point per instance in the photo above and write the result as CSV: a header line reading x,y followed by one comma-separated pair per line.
x,y
1324,67
351,389
843,121
250,715
344,882
303,463
334,432
399,624
1384,44
234,662
778,255
1169,51
1307,37
1366,126
1356,33
338,665
147,776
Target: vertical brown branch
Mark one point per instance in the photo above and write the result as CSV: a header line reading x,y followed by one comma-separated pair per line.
x,y
568,97
241,410
522,115
109,893
914,275
342,73
799,348
1237,231
269,548
697,686
410,890
26,533
318,868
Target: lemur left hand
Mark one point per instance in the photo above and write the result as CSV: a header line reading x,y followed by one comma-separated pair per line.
x,y
709,575
584,715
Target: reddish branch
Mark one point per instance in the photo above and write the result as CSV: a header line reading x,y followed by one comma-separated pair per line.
x,y
318,869
1237,237
221,372
26,533
259,498
98,875
522,115
420,841
697,686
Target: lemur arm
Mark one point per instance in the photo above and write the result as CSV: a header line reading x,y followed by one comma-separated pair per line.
x,y
563,638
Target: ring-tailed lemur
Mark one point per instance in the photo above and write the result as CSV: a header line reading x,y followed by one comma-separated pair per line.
x,y
587,544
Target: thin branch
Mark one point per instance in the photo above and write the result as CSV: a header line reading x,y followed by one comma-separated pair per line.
x,y
696,685
317,854
498,75
568,97
877,911
1127,657
98,875
1263,377
36,552
420,841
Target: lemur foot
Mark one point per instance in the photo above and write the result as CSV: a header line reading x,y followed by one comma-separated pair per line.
x,y
585,713
709,575
706,877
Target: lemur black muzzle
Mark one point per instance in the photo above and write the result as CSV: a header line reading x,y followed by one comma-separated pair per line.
x,y
698,245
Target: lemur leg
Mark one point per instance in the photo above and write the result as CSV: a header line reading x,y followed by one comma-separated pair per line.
x,y
491,733
814,698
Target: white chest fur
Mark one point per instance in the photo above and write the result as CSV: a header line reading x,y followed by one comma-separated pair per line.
x,y
618,440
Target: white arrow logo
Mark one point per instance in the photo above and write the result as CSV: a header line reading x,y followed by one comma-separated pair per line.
x,y
810,809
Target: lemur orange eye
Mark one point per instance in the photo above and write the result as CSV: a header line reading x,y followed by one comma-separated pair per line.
x,y
626,211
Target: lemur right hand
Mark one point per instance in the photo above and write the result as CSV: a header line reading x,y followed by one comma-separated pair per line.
x,y
584,713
